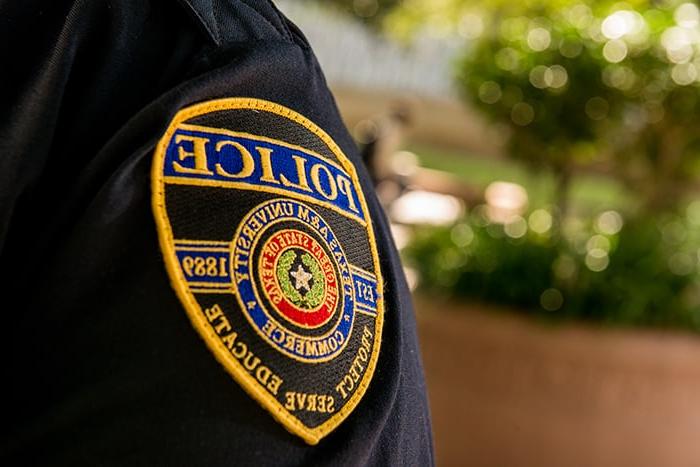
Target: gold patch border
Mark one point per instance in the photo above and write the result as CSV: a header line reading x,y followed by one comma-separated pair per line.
x,y
166,239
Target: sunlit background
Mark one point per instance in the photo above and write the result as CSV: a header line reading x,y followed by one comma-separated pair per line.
x,y
540,164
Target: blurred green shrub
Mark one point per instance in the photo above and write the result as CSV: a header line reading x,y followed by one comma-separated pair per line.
x,y
575,84
637,272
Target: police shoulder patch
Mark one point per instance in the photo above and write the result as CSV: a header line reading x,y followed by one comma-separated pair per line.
x,y
269,245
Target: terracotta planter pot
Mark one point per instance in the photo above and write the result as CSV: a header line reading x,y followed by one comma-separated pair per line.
x,y
507,391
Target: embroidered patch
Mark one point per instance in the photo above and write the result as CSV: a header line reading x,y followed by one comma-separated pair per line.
x,y
269,245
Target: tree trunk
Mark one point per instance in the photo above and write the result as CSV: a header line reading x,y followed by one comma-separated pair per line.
x,y
664,192
561,193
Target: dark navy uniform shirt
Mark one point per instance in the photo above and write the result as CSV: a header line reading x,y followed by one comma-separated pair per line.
x,y
102,364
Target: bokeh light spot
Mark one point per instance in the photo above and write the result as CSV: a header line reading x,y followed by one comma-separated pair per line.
x,y
674,233
556,77
597,108
504,201
597,260
684,74
516,227
365,8
471,26
598,242
540,221
522,114
537,78
462,235
538,39
490,92
681,264
564,267
513,29
551,299
580,15
687,15
424,207
609,223
507,59
617,24
570,49
619,76
615,51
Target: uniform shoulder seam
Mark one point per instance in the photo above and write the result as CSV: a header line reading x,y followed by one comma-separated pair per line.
x,y
282,30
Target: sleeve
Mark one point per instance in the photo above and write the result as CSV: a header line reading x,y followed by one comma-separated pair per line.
x,y
203,274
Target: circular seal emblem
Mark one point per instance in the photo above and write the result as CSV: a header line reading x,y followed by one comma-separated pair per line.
x,y
268,243
304,283
295,285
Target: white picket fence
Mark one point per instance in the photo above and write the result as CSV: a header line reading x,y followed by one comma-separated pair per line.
x,y
353,55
